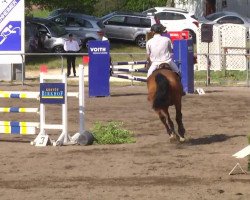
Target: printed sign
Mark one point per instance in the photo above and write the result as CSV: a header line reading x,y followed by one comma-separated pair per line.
x,y
178,35
99,50
11,29
52,93
99,66
10,37
42,140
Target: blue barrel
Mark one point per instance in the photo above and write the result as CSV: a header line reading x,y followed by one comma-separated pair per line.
x,y
183,57
99,64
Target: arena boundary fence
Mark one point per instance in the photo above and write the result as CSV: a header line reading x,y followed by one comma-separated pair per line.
x,y
26,128
207,56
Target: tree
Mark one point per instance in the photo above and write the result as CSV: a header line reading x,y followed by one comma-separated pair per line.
x,y
139,5
84,5
100,7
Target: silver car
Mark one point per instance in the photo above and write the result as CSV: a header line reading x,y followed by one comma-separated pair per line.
x,y
85,26
128,26
51,37
226,17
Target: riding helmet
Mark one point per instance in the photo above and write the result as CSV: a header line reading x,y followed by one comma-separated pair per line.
x,y
158,28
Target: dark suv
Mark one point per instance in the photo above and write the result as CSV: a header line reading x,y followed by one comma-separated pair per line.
x,y
128,26
84,26
45,36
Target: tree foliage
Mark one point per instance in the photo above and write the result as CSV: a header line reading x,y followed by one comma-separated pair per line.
x,y
100,7
140,5
86,6
107,6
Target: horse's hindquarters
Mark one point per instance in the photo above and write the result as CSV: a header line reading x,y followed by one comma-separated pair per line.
x,y
164,90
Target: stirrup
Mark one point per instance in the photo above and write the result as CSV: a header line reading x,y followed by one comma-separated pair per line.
x,y
179,75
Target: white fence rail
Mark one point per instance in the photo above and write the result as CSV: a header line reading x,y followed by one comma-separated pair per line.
x,y
220,57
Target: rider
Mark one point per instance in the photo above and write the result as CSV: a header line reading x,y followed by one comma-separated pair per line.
x,y
159,50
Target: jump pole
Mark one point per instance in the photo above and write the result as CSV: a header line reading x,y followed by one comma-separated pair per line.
x,y
129,70
126,76
81,99
78,137
129,77
83,137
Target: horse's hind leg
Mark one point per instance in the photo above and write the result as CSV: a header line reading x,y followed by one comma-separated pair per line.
x,y
171,125
181,129
168,123
162,116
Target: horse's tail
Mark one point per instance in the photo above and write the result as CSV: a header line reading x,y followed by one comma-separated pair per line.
x,y
161,94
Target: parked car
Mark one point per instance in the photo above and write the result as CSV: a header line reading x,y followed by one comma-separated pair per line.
x,y
128,26
159,9
225,17
175,19
63,10
51,37
86,27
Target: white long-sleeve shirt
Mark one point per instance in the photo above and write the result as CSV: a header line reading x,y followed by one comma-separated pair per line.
x,y
159,50
71,45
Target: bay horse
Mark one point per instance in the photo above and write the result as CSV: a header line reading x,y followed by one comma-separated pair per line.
x,y
165,90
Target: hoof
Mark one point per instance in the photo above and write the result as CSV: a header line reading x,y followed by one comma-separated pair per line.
x,y
172,138
182,139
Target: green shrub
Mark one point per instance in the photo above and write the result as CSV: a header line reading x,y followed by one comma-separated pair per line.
x,y
111,133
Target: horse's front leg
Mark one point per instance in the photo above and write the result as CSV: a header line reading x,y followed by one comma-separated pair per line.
x,y
181,129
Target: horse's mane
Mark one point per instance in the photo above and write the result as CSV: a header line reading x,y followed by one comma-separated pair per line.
x,y
161,94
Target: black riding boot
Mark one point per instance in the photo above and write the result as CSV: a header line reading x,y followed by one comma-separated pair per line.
x,y
183,92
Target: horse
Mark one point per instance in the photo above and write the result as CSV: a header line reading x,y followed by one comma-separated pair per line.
x,y
165,90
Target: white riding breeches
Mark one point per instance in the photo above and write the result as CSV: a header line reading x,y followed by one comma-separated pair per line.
x,y
155,65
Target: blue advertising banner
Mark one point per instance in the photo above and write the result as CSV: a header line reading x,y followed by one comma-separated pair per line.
x,y
183,57
52,93
99,66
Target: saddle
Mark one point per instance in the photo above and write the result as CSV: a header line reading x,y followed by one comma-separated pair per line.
x,y
167,66
164,66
